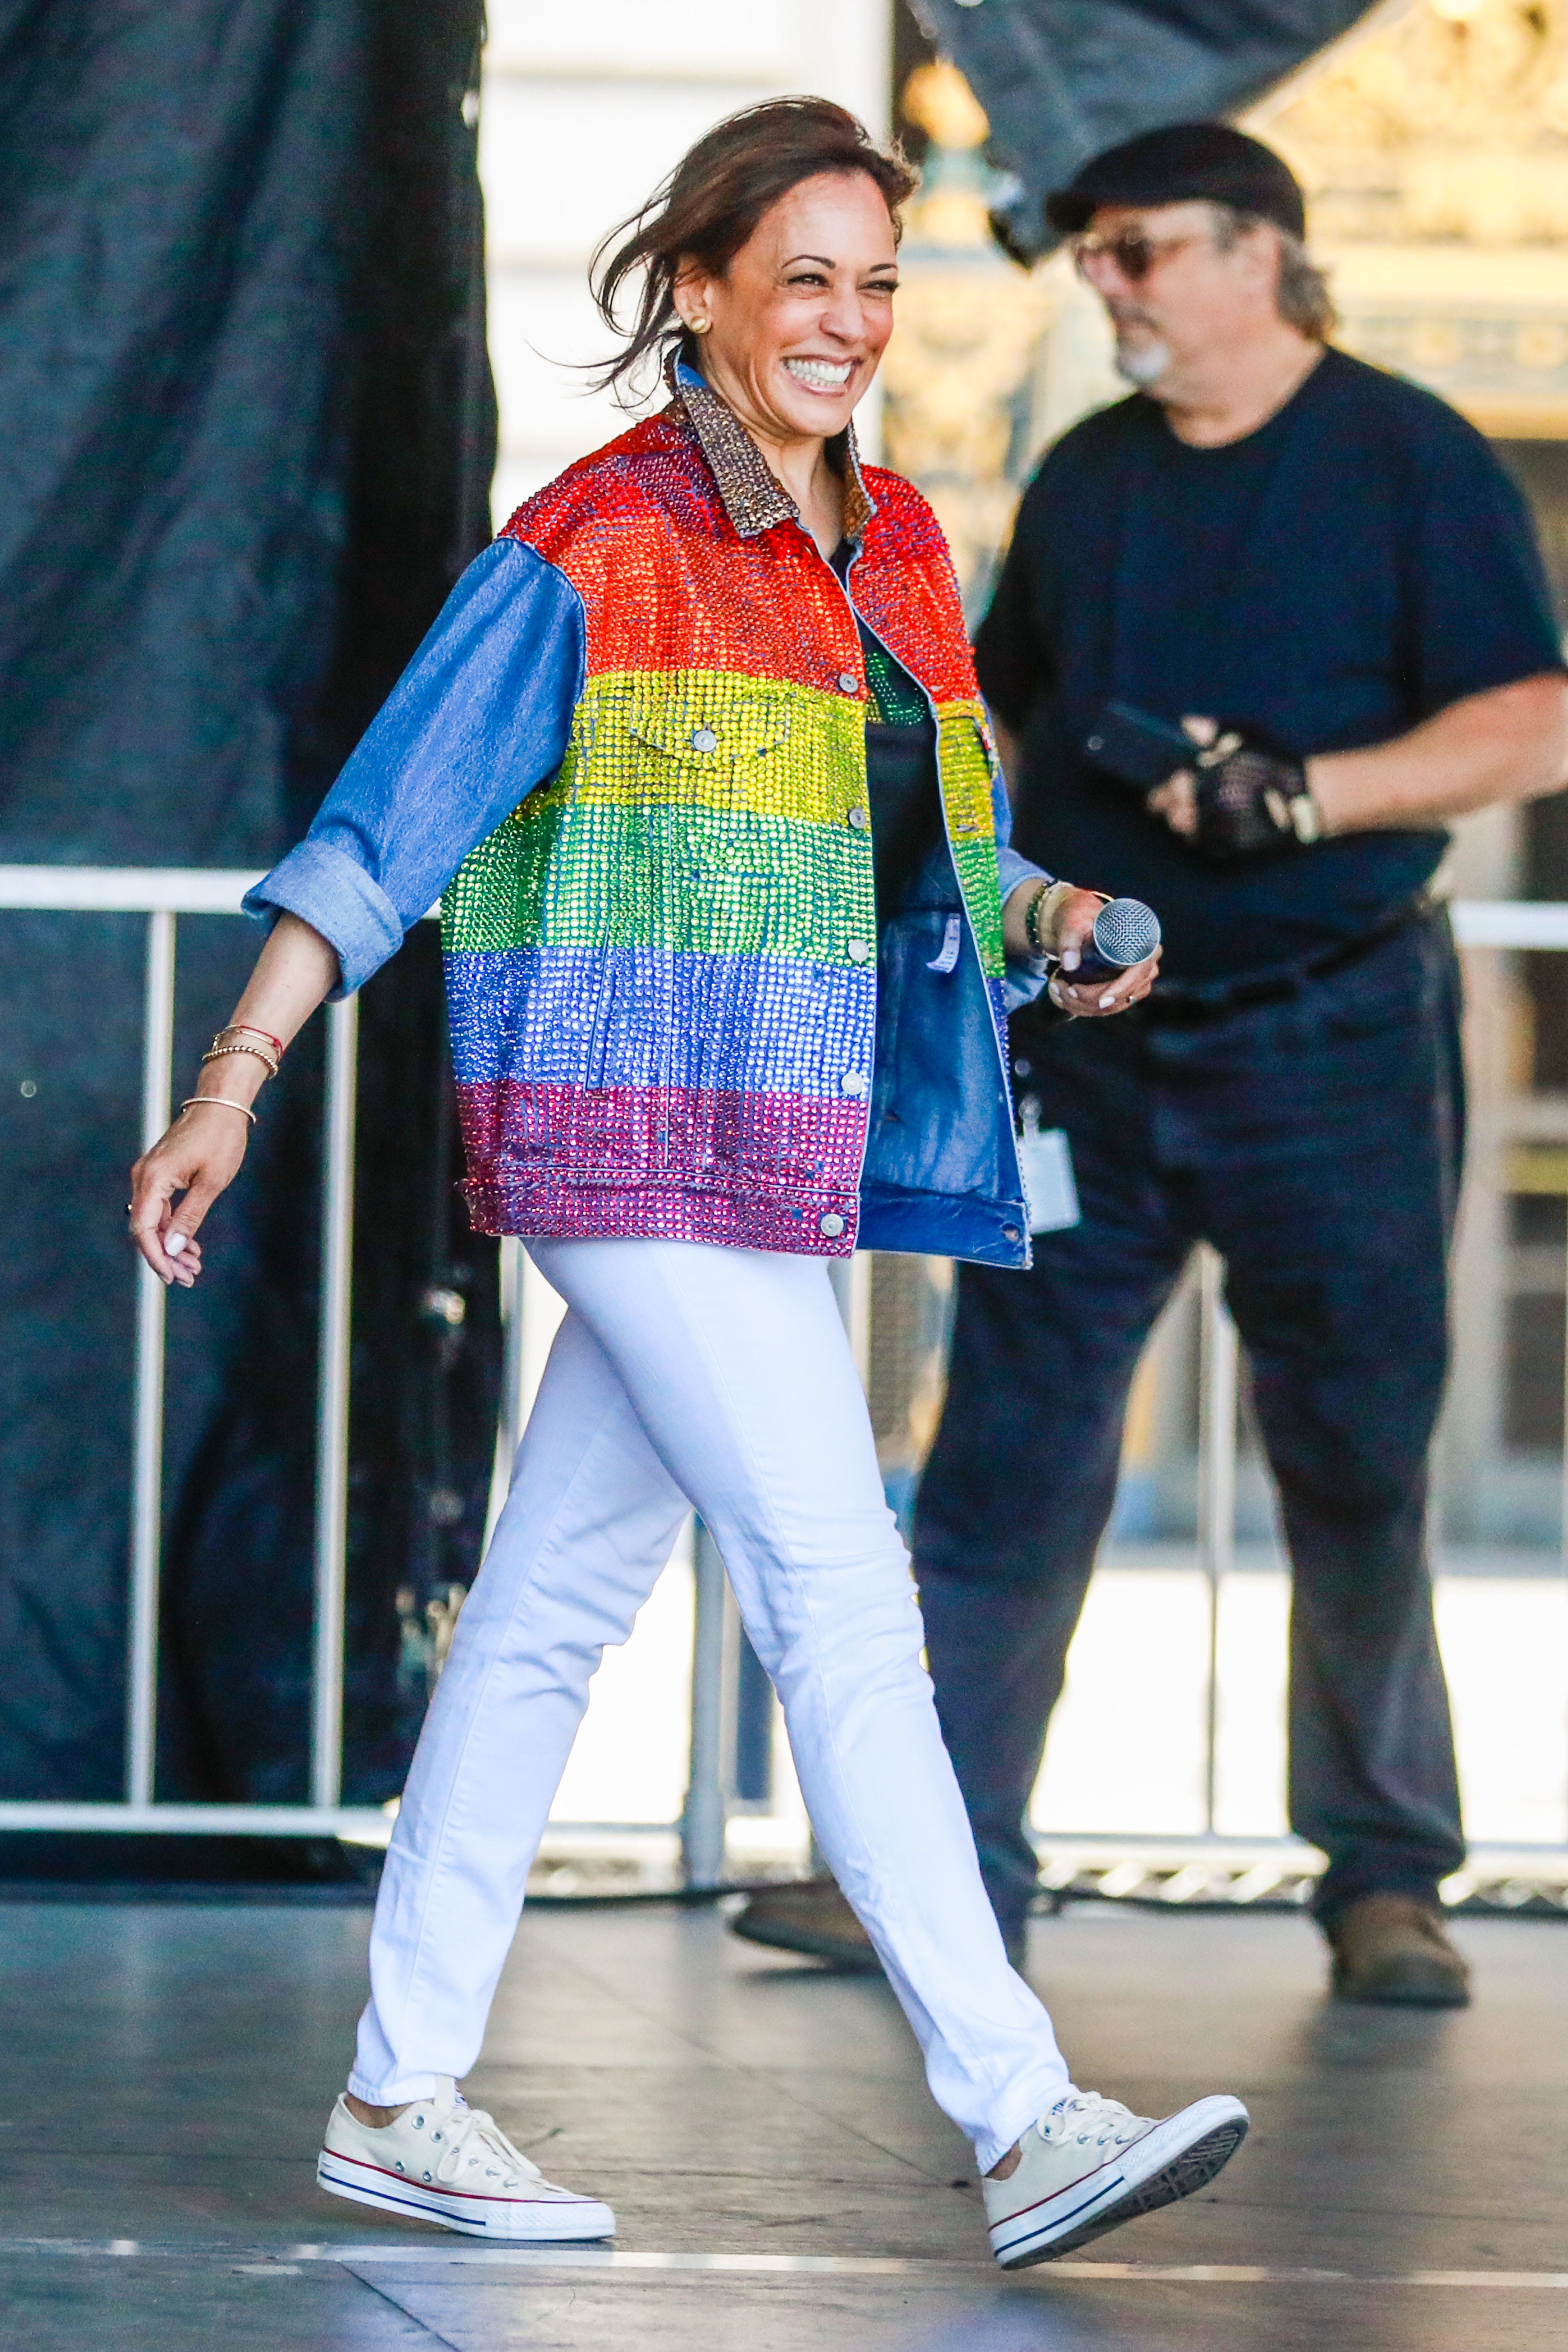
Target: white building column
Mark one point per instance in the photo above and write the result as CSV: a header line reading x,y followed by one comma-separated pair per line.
x,y
585,108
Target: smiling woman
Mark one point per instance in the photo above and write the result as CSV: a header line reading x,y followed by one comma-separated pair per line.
x,y
712,204
731,924
769,261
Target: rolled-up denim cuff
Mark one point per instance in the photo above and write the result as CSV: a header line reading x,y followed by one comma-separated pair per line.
x,y
1012,868
1024,978
337,898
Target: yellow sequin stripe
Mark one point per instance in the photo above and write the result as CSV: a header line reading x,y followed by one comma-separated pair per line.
x,y
965,758
714,738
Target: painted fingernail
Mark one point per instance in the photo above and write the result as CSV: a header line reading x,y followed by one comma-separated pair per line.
x,y
1071,960
174,1244
1105,1002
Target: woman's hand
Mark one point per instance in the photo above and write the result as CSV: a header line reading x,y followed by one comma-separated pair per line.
x,y
199,1157
1069,919
204,1151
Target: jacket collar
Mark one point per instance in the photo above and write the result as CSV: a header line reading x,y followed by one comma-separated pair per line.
x,y
754,498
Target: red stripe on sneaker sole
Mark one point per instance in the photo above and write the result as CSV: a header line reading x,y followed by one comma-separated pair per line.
x,y
535,2223
1059,2219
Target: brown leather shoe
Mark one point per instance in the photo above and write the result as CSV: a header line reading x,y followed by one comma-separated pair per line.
x,y
808,1915
1395,1949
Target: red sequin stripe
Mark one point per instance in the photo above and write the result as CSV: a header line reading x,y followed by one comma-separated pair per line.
x,y
669,584
804,1145
732,1216
905,586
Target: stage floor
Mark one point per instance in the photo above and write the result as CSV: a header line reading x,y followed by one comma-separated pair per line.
x,y
782,2178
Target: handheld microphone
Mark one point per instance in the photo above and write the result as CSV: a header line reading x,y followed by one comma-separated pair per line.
x,y
1124,932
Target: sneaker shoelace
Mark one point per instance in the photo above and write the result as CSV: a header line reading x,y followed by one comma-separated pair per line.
x,y
1085,2116
470,2135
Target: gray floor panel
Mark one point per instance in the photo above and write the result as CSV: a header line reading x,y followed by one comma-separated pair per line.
x,y
166,2070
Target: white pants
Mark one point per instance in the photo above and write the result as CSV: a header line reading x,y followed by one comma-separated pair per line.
x,y
721,1379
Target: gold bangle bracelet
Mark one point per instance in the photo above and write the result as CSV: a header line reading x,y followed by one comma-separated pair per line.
x,y
223,1102
216,1053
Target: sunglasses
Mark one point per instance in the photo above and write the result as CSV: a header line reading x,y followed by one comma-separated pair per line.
x,y
1134,253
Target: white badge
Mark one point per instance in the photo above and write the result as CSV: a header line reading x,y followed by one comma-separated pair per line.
x,y
946,959
1046,1162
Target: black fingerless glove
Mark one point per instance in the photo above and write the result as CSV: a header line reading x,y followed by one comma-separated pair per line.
x,y
1253,798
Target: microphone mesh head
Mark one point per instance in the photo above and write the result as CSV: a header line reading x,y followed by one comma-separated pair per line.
x,y
1126,931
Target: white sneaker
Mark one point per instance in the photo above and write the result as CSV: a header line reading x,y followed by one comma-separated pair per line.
x,y
1090,2164
448,2162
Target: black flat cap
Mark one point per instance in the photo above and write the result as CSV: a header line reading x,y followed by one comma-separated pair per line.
x,y
1207,161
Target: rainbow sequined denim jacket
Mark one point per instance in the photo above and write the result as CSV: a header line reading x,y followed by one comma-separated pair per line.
x,y
631,754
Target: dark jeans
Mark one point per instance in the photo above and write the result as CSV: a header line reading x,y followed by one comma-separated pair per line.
x,y
1316,1144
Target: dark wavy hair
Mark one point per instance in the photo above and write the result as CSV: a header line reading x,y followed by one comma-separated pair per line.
x,y
707,207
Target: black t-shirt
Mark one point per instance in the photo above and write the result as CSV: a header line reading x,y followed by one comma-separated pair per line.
x,y
901,768
1358,563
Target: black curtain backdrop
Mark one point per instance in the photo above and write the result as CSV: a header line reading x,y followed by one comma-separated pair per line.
x,y
246,439
1061,80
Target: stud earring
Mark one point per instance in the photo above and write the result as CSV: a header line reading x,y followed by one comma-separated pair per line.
x,y
701,325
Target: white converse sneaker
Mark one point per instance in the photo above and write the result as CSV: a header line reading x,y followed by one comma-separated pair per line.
x,y
1090,2164
448,2162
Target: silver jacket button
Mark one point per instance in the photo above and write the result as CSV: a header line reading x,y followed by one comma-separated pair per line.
x,y
858,950
847,682
831,1226
853,1082
705,739
859,818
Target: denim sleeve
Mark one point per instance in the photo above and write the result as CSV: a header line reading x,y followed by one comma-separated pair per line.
x,y
480,715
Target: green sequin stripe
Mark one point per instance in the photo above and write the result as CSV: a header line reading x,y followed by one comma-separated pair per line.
x,y
896,699
966,767
695,881
715,739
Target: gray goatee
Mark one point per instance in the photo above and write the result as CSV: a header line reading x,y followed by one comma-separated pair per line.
x,y
1141,364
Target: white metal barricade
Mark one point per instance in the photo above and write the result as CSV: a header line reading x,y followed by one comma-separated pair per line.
x,y
162,896
1511,924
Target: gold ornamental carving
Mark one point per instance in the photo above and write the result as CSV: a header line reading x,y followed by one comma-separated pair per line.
x,y
958,370
1449,122
965,345
1434,148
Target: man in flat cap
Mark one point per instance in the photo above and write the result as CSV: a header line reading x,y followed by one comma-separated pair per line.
x,y
1319,576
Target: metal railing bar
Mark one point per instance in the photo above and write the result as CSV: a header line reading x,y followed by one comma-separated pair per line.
x,y
851,1280
332,1407
218,890
131,889
1480,1855
190,1820
125,889
1217,1356
1563,1487
513,1377
296,1821
1509,923
714,1657
147,1407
